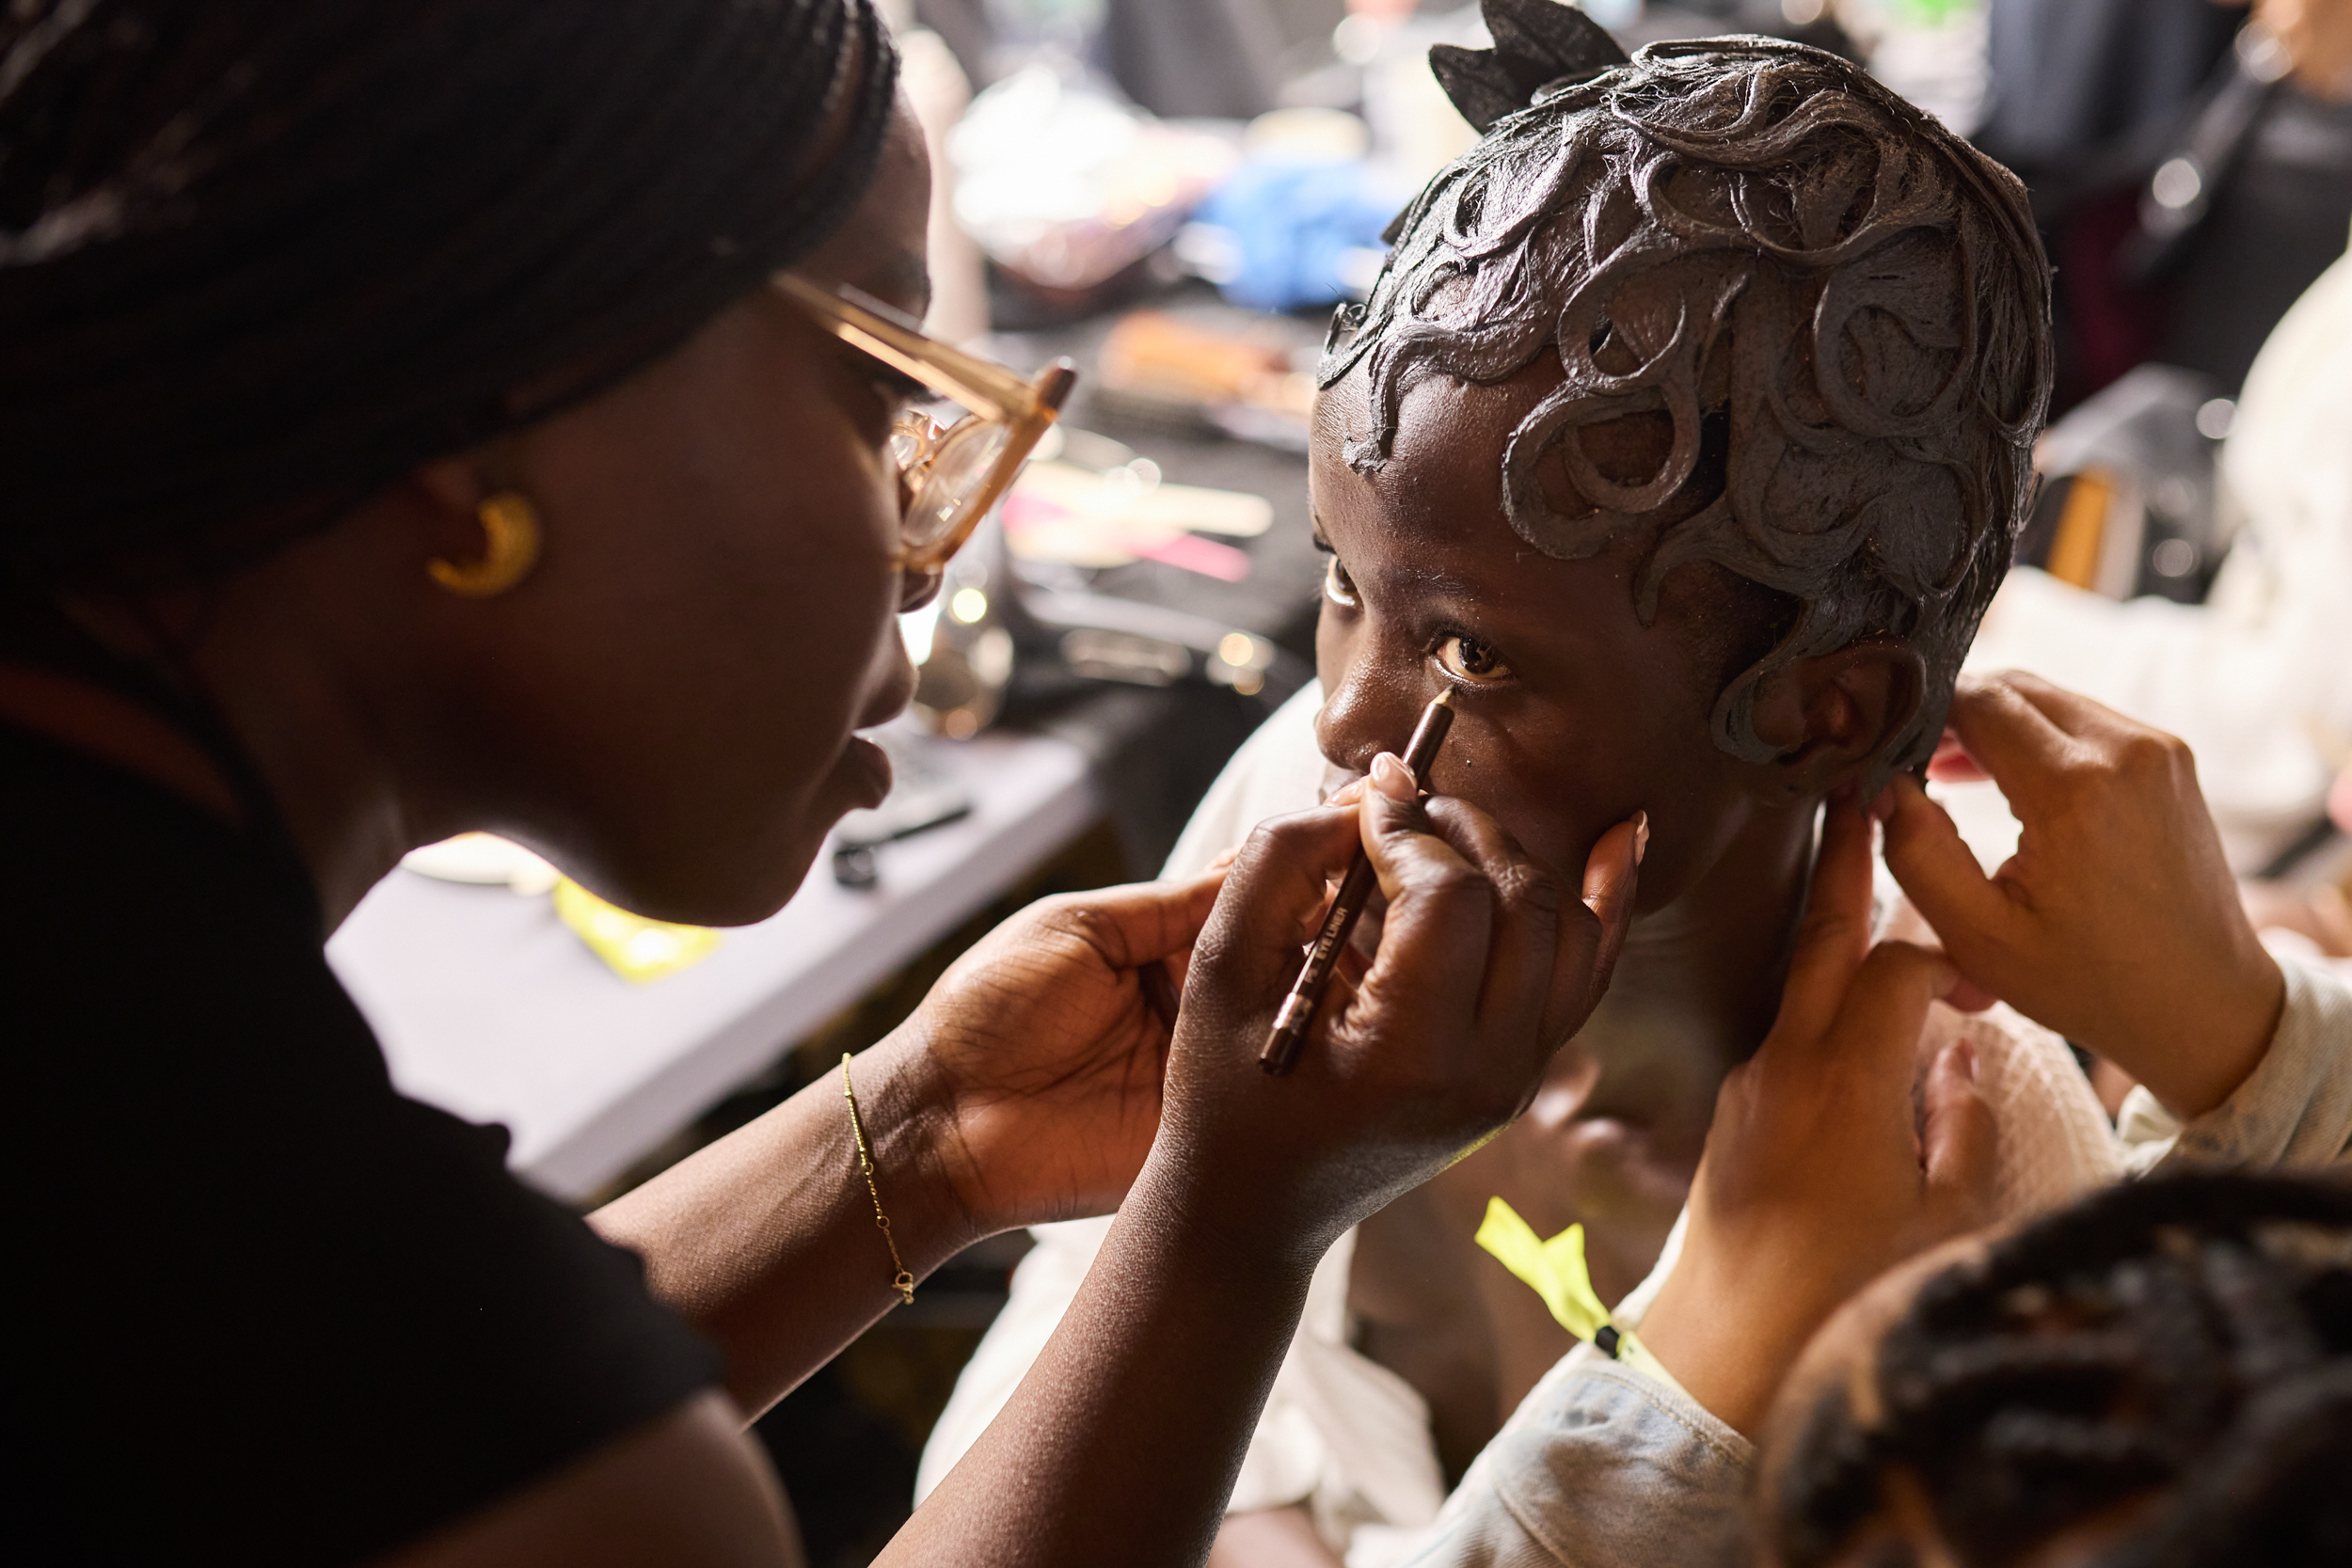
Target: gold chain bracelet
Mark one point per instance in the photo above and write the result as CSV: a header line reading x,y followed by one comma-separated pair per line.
x,y
902,1281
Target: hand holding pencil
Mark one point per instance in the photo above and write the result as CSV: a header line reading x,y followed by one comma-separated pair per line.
x,y
1486,964
1297,1015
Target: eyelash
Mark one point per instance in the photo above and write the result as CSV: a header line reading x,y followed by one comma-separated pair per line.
x,y
1495,673
897,391
1338,586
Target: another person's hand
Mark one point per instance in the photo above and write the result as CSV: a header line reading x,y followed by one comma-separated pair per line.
x,y
1046,1042
1822,1169
2317,36
1485,965
2117,923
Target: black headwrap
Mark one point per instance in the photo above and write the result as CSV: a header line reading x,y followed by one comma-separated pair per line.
x,y
259,259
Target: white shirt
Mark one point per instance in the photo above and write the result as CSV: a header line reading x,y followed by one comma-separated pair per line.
x,y
1345,1437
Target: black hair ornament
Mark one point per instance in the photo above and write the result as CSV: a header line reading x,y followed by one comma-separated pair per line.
x,y
1540,46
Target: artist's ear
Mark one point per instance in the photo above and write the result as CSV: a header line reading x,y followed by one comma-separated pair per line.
x,y
1831,716
439,499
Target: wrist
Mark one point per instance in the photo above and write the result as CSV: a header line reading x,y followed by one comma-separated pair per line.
x,y
1237,1250
1730,1342
1245,1237
2225,1040
907,1110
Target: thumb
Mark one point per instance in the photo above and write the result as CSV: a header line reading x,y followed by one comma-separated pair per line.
x,y
1878,1021
1958,1135
1136,924
1613,875
1273,897
1440,908
1936,868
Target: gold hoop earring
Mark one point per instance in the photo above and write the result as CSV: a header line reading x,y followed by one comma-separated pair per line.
x,y
510,549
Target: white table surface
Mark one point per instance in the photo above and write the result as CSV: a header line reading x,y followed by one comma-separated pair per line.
x,y
490,1007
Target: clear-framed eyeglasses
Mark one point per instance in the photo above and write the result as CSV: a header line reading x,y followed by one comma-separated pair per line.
x,y
949,474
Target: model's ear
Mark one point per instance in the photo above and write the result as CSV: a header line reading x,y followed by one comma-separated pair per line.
x,y
1832,716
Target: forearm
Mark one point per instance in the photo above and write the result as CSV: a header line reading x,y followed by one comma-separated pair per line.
x,y
766,1240
1122,1443
2197,1058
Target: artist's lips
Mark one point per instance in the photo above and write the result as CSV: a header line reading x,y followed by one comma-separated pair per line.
x,y
867,767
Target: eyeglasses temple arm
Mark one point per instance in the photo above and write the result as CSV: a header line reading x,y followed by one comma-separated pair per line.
x,y
979,386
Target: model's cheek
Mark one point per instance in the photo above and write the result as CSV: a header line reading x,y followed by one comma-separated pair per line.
x,y
1550,782
1369,706
1337,635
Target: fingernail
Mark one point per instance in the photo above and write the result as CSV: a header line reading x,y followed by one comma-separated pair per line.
x,y
1966,1049
1640,835
1391,778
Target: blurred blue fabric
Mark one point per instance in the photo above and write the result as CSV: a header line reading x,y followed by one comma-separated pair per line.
x,y
1294,221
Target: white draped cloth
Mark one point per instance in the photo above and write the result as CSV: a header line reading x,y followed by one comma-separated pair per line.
x,y
1345,1438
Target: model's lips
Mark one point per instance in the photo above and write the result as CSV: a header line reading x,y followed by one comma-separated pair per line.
x,y
868,768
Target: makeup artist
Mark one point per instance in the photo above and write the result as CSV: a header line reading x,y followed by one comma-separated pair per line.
x,y
476,414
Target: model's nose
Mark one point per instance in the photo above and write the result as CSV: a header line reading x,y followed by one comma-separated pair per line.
x,y
1367,713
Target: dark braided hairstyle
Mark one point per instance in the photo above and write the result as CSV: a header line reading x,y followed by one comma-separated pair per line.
x,y
259,259
2176,1353
1842,307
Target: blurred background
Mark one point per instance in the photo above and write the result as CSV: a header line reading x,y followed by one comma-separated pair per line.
x,y
1174,194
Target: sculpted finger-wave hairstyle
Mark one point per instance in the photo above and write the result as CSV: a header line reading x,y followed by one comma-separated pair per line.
x,y
1847,304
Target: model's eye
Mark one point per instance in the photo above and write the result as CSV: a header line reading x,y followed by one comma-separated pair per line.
x,y
1338,586
1467,659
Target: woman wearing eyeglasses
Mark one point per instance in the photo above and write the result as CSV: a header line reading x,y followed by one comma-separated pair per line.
x,y
487,414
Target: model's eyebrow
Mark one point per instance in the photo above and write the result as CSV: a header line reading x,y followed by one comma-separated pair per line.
x,y
1434,581
1411,577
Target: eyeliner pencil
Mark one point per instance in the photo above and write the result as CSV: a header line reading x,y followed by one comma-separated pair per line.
x,y
1298,1013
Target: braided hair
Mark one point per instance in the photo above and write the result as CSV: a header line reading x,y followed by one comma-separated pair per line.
x,y
1842,309
2176,1354
258,260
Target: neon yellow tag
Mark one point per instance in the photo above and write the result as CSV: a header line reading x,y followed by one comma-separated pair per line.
x,y
637,949
1556,1270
